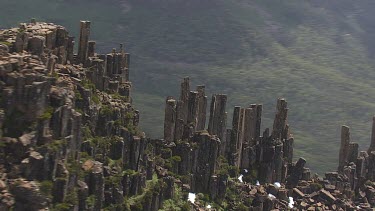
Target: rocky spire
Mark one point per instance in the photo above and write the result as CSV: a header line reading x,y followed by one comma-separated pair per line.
x,y
202,108
234,155
348,150
218,116
184,98
372,145
83,41
170,120
192,115
280,119
91,48
344,147
250,126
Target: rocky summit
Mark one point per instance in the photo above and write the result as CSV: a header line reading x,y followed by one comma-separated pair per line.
x,y
70,140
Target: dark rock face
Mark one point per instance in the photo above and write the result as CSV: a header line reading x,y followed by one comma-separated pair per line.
x,y
27,196
69,140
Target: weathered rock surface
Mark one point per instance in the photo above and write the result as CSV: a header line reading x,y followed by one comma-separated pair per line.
x,y
69,140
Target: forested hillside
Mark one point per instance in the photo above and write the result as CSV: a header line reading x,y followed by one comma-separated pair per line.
x,y
317,54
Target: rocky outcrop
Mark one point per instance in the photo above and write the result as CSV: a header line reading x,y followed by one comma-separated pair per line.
x,y
69,140
67,123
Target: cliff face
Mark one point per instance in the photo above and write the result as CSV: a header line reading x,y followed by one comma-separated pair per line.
x,y
70,140
69,130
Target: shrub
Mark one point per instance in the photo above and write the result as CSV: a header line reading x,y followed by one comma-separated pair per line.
x,y
106,110
46,188
90,201
62,207
47,114
315,186
6,43
95,98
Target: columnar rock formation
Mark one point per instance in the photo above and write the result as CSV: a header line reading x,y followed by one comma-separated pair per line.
x,y
355,168
69,137
269,157
185,116
372,144
69,140
83,48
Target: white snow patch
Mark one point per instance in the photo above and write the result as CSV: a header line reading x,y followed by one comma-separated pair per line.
x,y
277,184
257,184
291,202
191,197
240,178
271,196
246,170
209,207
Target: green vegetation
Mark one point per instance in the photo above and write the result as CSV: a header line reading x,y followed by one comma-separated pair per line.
x,y
133,129
71,199
6,43
316,186
87,84
74,168
90,201
46,188
106,110
62,207
47,114
113,180
179,202
319,55
3,144
95,98
55,145
152,186
226,169
78,95
86,132
119,97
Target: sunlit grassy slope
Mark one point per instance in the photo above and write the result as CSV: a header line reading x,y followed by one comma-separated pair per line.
x,y
317,54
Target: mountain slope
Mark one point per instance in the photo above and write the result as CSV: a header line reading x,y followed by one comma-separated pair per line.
x,y
317,54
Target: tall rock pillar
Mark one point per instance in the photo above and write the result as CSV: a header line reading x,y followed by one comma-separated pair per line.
x,y
372,145
279,124
234,138
202,107
170,120
344,148
184,98
218,115
83,41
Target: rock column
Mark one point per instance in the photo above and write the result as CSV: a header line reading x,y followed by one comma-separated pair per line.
x,y
234,154
70,50
91,48
206,157
280,120
202,107
192,109
344,148
83,42
372,145
184,98
170,120
218,118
